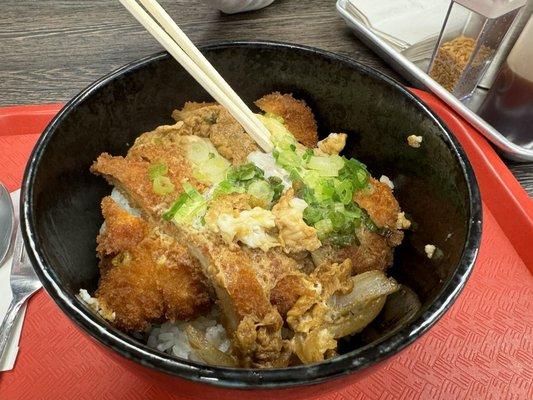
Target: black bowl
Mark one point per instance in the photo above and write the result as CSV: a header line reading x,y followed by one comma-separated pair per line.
x,y
435,184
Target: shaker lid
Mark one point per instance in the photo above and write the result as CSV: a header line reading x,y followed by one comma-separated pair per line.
x,y
491,8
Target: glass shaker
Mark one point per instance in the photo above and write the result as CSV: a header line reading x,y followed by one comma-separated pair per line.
x,y
508,106
468,41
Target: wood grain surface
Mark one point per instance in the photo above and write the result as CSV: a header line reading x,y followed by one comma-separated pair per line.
x,y
51,49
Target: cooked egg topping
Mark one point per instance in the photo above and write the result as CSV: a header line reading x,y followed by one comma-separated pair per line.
x,y
249,227
294,234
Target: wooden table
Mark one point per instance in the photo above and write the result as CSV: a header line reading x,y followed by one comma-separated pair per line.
x,y
51,49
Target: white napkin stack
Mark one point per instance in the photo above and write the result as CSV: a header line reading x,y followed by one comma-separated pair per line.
x,y
8,361
410,26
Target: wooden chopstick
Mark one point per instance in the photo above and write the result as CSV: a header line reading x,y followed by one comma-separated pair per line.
x,y
197,66
175,32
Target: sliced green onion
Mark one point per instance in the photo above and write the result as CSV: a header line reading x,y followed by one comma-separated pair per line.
x,y
338,219
325,190
208,166
198,150
312,214
308,154
342,240
355,171
323,228
261,190
280,136
212,171
326,165
274,116
156,170
277,187
175,207
244,172
288,159
344,191
189,206
162,185
227,187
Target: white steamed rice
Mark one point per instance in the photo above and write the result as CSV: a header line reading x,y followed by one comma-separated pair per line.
x,y
171,337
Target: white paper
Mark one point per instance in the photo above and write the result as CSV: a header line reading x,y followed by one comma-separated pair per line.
x,y
8,361
403,23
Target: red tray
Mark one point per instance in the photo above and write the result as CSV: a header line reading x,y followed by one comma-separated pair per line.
x,y
481,349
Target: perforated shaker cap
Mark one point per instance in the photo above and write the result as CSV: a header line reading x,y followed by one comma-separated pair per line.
x,y
492,8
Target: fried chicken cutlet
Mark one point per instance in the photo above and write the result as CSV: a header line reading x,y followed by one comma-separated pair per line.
x,y
146,276
261,263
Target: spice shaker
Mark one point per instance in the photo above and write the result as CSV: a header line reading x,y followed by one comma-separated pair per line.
x,y
468,41
508,106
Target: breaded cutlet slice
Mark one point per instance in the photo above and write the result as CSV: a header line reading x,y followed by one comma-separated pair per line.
x,y
249,315
211,120
281,276
254,323
132,172
146,276
374,251
297,116
214,122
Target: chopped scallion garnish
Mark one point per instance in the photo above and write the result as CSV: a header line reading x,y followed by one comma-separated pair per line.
x,y
158,169
162,185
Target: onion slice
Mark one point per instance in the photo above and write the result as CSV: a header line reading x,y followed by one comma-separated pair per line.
x,y
353,311
206,351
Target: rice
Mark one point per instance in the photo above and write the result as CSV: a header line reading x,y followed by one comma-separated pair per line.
x,y
95,305
386,181
171,337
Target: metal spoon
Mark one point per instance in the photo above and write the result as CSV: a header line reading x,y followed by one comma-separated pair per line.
x,y
7,222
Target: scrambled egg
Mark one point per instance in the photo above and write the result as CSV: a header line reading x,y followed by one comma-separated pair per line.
x,y
402,222
414,141
249,227
294,234
333,144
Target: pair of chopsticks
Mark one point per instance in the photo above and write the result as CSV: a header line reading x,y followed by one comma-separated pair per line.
x,y
161,26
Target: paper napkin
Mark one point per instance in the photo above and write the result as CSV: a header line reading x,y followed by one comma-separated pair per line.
x,y
410,26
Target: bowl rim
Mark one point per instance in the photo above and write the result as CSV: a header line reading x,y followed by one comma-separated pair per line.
x,y
240,377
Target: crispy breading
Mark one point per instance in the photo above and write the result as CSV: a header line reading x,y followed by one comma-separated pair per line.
x,y
213,121
288,290
248,314
297,116
374,251
229,271
132,171
197,118
380,203
146,276
227,135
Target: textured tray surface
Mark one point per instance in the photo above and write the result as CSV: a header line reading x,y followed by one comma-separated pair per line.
x,y
482,348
